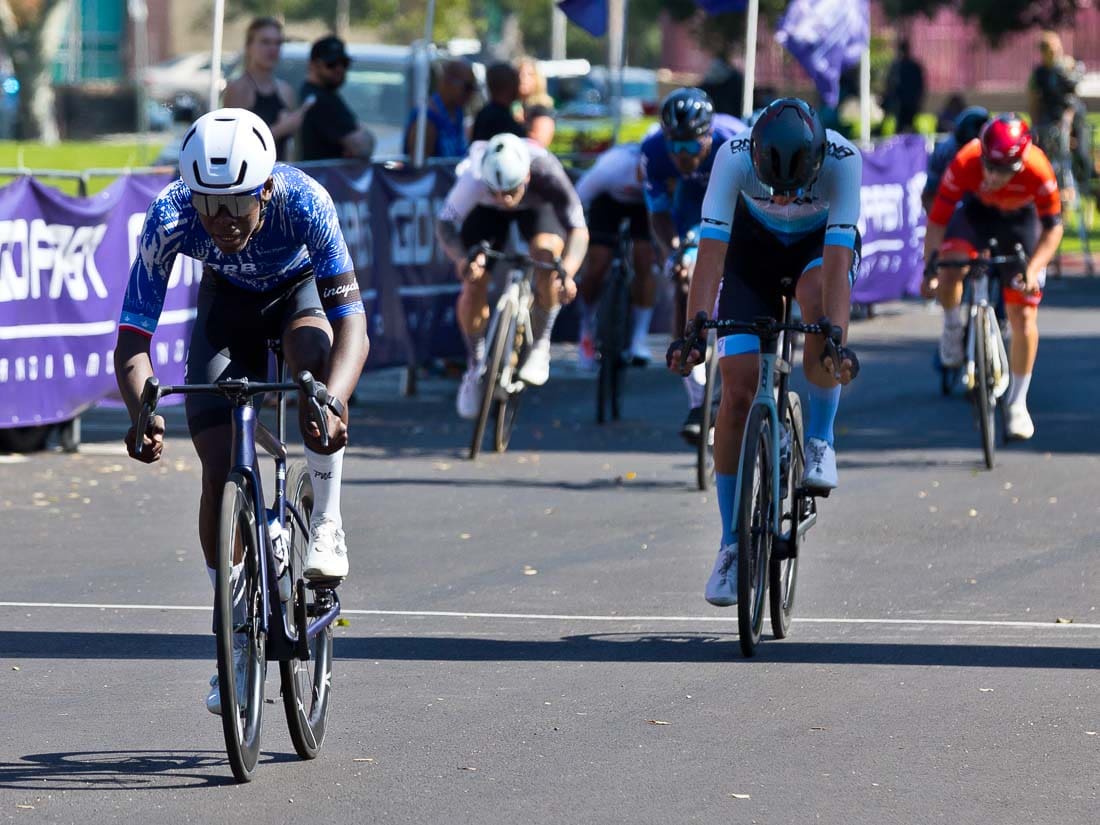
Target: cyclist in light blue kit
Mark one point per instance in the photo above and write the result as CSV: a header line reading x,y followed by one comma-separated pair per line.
x,y
677,163
783,201
275,267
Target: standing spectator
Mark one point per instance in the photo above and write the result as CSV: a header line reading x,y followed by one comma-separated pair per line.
x,y
259,91
537,112
445,125
948,116
330,128
904,89
496,116
1057,114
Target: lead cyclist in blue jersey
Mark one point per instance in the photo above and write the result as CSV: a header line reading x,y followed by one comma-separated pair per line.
x,y
677,163
275,267
783,201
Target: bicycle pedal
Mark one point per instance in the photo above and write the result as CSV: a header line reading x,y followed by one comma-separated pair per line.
x,y
813,492
320,584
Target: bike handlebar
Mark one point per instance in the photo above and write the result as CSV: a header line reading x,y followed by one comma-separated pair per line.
x,y
513,258
238,389
1018,256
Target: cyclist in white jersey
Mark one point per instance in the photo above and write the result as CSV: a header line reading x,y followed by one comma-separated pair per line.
x,y
613,191
503,180
783,201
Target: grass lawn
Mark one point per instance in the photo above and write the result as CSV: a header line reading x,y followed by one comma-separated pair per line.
x,y
77,156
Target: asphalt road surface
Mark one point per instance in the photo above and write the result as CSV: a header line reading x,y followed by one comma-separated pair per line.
x,y
527,640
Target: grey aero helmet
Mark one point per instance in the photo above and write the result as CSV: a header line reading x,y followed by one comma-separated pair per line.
x,y
686,114
788,145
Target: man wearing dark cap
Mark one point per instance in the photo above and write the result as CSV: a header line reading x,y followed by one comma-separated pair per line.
x,y
329,128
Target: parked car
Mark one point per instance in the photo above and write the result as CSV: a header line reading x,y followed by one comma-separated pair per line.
x,y
186,74
588,95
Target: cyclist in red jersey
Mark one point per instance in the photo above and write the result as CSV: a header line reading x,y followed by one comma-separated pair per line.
x,y
1008,192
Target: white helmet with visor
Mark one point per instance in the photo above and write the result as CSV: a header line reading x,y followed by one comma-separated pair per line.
x,y
226,157
506,163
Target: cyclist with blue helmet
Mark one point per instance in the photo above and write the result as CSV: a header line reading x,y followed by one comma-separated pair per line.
x,y
677,161
968,125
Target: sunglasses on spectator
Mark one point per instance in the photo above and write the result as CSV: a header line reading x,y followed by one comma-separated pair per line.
x,y
338,64
236,205
690,147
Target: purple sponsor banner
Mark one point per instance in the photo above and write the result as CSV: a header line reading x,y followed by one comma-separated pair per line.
x,y
891,220
64,265
408,285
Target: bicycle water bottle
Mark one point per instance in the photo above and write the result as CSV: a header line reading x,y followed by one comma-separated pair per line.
x,y
280,549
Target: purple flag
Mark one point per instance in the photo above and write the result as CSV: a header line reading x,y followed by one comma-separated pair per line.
x,y
721,6
590,15
826,37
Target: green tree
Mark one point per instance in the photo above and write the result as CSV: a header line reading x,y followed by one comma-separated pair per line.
x,y
995,17
31,32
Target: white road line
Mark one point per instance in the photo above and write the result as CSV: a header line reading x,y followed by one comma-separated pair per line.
x,y
562,617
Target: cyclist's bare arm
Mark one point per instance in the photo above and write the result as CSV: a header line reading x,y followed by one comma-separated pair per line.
x,y
132,367
349,334
1045,250
576,245
707,277
450,238
664,233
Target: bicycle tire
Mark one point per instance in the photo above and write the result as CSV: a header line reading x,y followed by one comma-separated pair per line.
x,y
704,450
497,347
240,726
983,389
753,528
612,330
506,409
783,573
306,684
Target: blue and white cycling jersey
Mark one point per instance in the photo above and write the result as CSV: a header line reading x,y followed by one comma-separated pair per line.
x,y
300,231
831,202
666,190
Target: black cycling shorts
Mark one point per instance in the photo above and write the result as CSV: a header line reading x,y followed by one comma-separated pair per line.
x,y
489,224
606,216
230,335
755,264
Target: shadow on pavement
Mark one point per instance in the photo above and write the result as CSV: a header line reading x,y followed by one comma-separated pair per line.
x,y
611,647
122,770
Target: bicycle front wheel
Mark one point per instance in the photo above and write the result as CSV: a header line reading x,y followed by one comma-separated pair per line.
x,y
704,450
783,572
754,528
306,683
237,611
497,348
507,406
613,330
983,385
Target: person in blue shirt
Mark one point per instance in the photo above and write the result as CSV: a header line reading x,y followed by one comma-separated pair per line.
x,y
275,266
677,162
445,125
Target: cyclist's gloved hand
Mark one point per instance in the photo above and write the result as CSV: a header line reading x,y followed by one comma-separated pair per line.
x,y
684,353
476,263
839,360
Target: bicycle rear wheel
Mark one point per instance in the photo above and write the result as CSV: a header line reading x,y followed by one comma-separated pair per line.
x,y
612,330
754,528
704,450
306,683
496,349
237,539
983,385
783,572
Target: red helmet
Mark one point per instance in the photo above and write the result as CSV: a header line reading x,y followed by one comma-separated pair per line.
x,y
1004,141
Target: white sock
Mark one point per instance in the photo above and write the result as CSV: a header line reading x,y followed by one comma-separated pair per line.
x,y
641,317
1017,392
326,472
952,318
695,384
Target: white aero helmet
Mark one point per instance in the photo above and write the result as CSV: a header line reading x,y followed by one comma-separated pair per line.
x,y
227,152
506,162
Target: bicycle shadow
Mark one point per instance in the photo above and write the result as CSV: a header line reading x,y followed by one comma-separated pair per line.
x,y
682,648
122,770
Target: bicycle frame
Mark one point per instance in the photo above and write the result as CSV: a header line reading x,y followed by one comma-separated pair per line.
x,y
980,302
517,293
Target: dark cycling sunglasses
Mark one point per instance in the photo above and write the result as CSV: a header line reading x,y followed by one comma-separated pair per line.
x,y
690,147
1002,169
236,205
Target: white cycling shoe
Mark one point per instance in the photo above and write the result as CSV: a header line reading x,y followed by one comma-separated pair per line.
x,y
328,552
640,355
820,465
536,369
240,675
951,346
721,589
468,401
1018,423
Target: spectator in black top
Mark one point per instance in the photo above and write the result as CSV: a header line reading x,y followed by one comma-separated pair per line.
x,y
329,128
496,116
904,89
259,91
